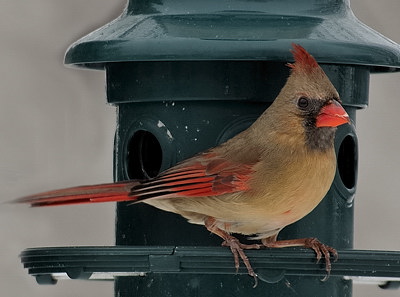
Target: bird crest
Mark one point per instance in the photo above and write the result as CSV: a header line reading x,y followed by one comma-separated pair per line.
x,y
304,62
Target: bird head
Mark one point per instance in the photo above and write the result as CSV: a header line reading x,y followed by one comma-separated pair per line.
x,y
316,96
310,103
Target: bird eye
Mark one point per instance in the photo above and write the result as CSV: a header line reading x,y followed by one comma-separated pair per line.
x,y
302,102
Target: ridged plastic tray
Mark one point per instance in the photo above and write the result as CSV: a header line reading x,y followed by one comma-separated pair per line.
x,y
48,264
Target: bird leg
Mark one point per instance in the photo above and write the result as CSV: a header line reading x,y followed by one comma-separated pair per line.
x,y
313,243
235,245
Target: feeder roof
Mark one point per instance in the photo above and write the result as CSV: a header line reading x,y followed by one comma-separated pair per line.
x,y
232,30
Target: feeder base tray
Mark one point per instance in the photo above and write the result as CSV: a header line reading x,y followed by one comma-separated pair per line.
x,y
49,264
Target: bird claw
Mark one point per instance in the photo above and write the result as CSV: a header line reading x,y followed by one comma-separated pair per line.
x,y
322,250
237,250
313,243
235,245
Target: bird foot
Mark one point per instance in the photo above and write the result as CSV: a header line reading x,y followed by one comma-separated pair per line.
x,y
235,245
320,250
318,247
237,250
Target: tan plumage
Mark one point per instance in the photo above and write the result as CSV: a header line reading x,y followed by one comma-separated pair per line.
x,y
265,178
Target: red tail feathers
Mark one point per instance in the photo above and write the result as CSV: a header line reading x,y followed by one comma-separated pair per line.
x,y
203,175
112,192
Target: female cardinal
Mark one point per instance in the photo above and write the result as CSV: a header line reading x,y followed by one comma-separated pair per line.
x,y
265,178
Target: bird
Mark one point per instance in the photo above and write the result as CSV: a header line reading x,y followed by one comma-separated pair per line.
x,y
256,183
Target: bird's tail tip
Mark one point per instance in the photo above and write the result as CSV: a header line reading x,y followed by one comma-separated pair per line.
x,y
110,192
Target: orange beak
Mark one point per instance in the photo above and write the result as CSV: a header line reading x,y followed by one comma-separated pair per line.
x,y
332,115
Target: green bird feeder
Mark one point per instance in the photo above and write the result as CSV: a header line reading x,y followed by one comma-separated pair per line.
x,y
188,75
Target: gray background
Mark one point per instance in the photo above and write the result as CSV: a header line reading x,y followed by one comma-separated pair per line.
x,y
56,130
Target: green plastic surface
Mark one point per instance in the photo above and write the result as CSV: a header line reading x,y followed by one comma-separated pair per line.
x,y
250,82
192,30
271,265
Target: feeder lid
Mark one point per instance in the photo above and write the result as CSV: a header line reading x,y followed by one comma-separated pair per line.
x,y
194,30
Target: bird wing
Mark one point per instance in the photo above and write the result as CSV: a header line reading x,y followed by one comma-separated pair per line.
x,y
204,175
